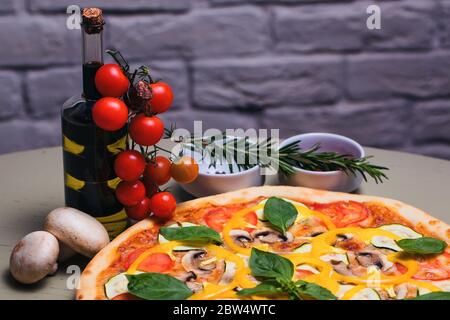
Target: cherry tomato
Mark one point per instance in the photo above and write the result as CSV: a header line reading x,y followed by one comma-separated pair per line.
x,y
129,165
130,193
139,211
157,262
184,170
163,204
343,213
146,131
126,296
110,81
162,97
158,170
132,256
110,114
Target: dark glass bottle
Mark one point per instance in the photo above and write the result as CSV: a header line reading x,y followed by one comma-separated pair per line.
x,y
88,151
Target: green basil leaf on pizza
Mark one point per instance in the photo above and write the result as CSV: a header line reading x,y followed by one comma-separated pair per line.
x,y
314,291
200,234
280,213
270,265
157,286
439,295
265,288
423,245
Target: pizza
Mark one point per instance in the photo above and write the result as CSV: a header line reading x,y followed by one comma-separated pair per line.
x,y
276,242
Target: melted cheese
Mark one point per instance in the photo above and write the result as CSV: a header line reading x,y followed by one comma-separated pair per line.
x,y
320,245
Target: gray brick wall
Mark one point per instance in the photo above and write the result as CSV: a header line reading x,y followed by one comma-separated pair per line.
x,y
297,65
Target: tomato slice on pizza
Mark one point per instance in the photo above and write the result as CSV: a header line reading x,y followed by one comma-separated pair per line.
x,y
157,262
343,213
217,218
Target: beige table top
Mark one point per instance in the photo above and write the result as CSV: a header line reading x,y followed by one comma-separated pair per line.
x,y
32,185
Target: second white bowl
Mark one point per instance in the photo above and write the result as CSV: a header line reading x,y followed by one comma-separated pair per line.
x,y
325,180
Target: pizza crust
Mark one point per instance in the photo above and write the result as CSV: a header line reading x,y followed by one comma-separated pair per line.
x,y
88,289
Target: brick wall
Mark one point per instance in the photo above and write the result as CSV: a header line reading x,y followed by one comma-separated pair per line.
x,y
297,65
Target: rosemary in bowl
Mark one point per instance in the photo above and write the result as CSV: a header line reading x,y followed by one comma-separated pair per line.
x,y
312,159
243,153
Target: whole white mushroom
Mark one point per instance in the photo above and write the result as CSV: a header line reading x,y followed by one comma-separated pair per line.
x,y
34,257
77,230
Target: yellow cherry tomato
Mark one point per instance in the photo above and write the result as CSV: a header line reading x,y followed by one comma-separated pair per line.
x,y
185,170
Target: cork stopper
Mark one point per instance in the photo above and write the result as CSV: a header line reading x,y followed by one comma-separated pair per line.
x,y
93,20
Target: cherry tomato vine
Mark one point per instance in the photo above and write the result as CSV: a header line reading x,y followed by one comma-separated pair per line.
x,y
134,99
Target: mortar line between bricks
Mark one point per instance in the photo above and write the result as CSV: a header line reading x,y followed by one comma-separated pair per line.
x,y
38,67
273,40
190,83
25,97
440,26
290,4
318,55
279,55
345,76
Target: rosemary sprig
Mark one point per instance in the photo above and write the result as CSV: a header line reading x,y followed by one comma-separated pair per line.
x,y
245,154
311,159
220,149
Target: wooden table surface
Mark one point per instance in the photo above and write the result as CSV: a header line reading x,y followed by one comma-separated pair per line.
x,y
32,185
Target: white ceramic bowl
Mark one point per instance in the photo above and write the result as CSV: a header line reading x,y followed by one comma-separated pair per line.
x,y
209,182
325,180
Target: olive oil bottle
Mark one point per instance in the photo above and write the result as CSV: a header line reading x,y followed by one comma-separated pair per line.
x,y
88,151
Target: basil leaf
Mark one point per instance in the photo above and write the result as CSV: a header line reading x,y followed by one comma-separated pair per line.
x,y
280,213
195,233
439,295
270,265
268,287
314,291
157,286
278,272
424,245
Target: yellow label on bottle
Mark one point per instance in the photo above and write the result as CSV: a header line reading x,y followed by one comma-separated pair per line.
x,y
113,183
118,146
119,216
115,223
72,147
73,183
